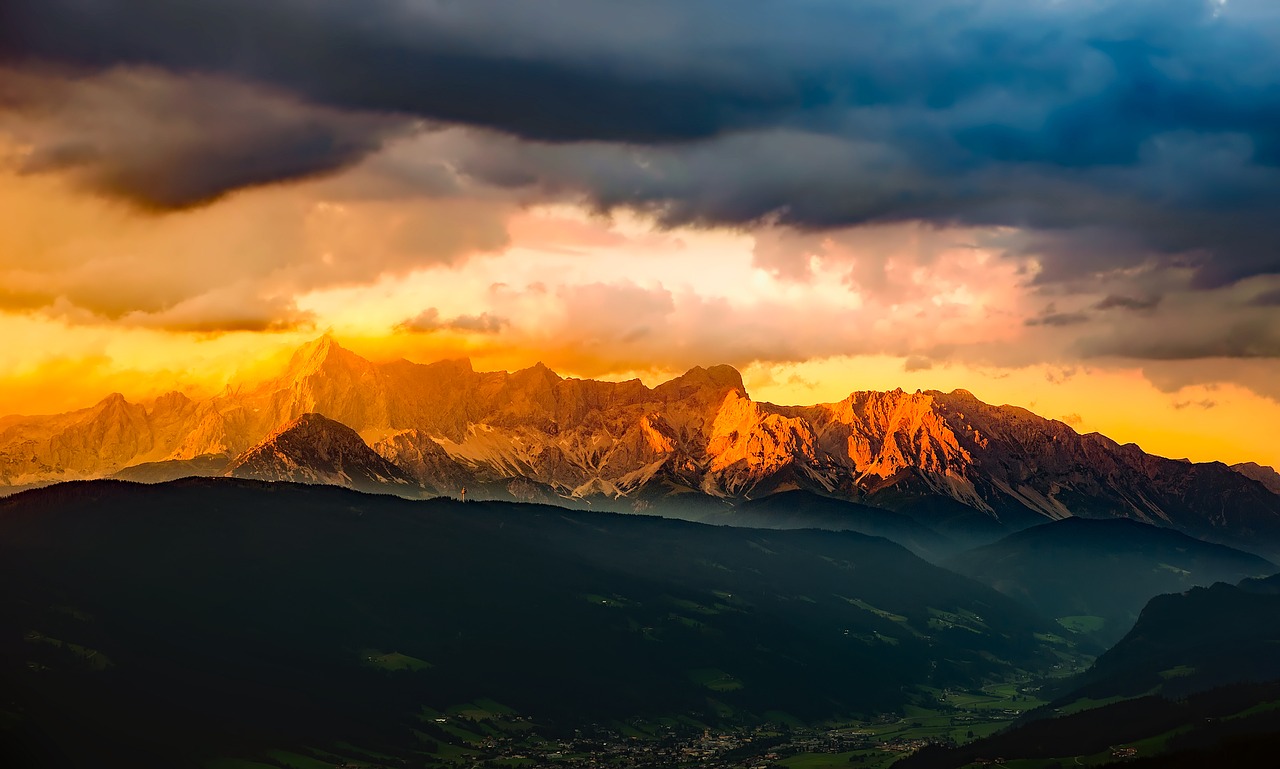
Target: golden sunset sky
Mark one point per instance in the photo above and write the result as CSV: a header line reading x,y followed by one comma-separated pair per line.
x,y
172,218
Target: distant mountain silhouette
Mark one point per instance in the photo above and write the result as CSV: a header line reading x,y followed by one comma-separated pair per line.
x,y
1101,573
1261,473
1193,641
799,509
1195,683
205,466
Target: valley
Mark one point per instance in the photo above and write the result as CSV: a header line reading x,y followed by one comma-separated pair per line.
x,y
289,614
326,627
487,734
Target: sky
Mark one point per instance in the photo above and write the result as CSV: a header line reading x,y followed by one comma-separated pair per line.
x,y
1068,205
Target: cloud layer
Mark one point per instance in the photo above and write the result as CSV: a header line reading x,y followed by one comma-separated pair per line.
x,y
1002,182
1110,134
164,142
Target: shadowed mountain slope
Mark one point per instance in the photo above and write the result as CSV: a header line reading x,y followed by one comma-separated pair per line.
x,y
1097,575
226,613
1196,683
1227,727
1192,641
315,449
206,466
1261,473
801,509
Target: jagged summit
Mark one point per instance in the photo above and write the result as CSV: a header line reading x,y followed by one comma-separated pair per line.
x,y
315,449
310,423
1263,474
460,365
424,460
317,356
538,368
172,400
715,378
314,352
112,400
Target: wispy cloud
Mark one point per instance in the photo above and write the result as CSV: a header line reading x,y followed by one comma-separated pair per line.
x,y
429,320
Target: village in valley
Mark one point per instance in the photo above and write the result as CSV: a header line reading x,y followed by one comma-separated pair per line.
x,y
488,735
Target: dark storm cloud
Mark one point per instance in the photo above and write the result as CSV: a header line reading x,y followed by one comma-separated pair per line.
x,y
164,142
574,69
1110,133
1190,338
1058,319
1248,341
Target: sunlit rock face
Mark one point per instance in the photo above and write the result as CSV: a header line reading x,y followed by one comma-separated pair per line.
x,y
444,426
424,460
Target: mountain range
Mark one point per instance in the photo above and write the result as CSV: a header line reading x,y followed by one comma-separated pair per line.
x,y
962,468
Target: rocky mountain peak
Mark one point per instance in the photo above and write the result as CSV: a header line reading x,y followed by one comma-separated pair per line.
x,y
114,400
1263,474
315,449
455,365
716,379
312,424
538,375
320,355
424,460
171,401
890,410
883,433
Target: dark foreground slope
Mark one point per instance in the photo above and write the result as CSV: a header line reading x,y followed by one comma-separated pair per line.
x,y
1193,641
1095,576
1227,727
1196,683
167,624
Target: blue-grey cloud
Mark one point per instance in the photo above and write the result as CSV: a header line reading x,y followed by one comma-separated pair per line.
x,y
1110,133
1059,319
1133,303
165,142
